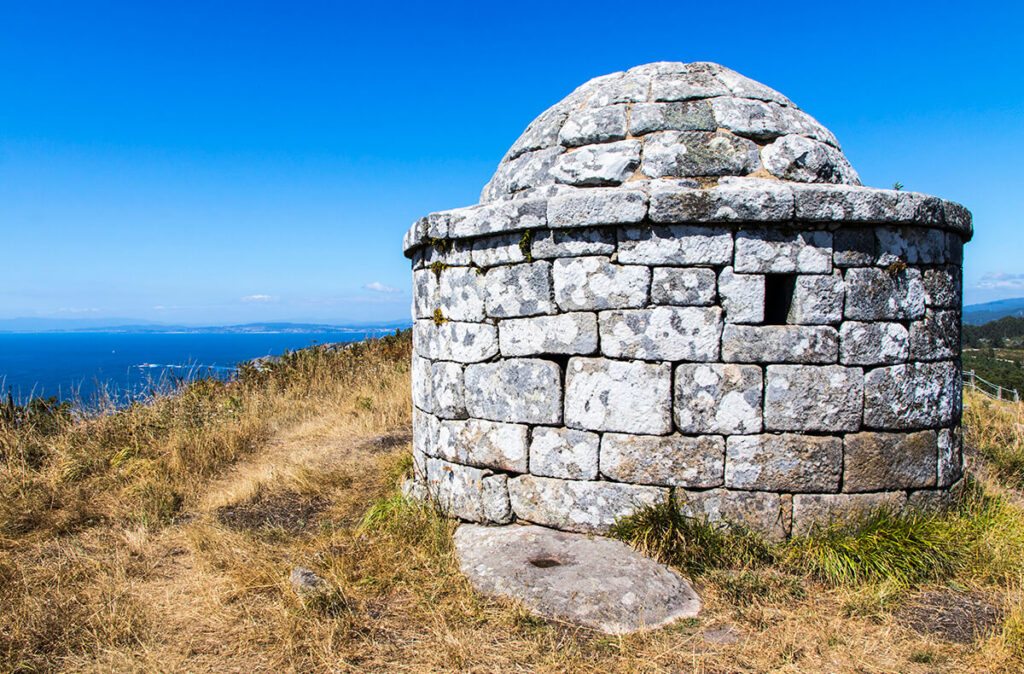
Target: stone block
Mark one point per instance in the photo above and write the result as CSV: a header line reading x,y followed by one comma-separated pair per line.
x,y
733,199
794,157
873,343
449,400
911,245
422,384
572,333
921,209
957,217
762,512
646,118
500,216
661,333
814,511
889,461
776,252
930,500
751,119
682,154
609,395
683,286
590,283
884,295
943,287
817,299
839,203
459,342
912,396
667,461
425,293
540,134
524,390
936,336
484,444
597,206
681,245
594,125
779,344
633,88
469,493
577,505
742,296
491,251
551,243
744,87
700,82
461,294
853,247
519,290
951,457
531,169
784,463
425,431
598,165
813,398
564,453
717,398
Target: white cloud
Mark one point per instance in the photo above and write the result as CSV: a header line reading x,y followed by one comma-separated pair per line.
x,y
259,298
379,287
1000,279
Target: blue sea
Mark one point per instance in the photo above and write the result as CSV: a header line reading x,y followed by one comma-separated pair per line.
x,y
76,366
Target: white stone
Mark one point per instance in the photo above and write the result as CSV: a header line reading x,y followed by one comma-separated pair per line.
x,y
425,430
812,512
525,390
762,512
577,505
609,395
597,206
589,283
950,457
784,463
469,493
742,296
718,398
689,116
675,245
911,245
484,444
873,343
779,343
532,169
490,251
817,299
594,125
682,154
773,251
425,293
449,400
683,286
794,157
461,294
572,333
936,336
519,290
813,398
667,461
912,396
595,165
422,384
884,295
844,203
661,333
552,243
459,342
564,453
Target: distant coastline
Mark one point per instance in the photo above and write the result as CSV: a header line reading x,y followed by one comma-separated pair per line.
x,y
57,326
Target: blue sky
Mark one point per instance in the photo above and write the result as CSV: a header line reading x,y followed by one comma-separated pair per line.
x,y
217,162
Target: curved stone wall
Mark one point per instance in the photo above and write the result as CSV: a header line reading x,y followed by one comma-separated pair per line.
x,y
674,281
569,370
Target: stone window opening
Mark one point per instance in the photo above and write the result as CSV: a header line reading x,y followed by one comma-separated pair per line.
x,y
778,297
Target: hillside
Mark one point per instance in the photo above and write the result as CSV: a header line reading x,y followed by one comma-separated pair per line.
x,y
162,538
978,314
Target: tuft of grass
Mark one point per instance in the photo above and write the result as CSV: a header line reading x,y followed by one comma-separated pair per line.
x,y
903,547
422,525
690,544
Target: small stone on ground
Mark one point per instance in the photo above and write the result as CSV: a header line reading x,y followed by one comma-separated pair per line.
x,y
306,580
586,580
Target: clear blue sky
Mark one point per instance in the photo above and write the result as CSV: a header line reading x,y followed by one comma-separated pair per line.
x,y
211,162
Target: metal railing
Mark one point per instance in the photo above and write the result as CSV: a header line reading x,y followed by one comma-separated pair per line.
x,y
986,388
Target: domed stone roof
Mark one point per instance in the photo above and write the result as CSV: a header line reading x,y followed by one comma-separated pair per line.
x,y
694,121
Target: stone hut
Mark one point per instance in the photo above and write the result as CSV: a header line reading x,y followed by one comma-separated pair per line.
x,y
675,281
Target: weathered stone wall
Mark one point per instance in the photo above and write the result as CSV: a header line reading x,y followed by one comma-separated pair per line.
x,y
581,364
675,281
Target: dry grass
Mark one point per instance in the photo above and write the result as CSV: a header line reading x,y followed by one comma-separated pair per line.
x,y
104,575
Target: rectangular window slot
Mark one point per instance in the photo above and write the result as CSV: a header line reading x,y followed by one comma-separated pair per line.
x,y
778,297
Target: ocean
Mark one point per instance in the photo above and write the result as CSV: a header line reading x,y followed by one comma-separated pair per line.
x,y
76,366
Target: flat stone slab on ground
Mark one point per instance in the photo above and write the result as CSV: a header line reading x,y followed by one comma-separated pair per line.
x,y
591,581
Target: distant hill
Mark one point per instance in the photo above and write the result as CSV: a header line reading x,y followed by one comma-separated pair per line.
x,y
979,314
23,325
